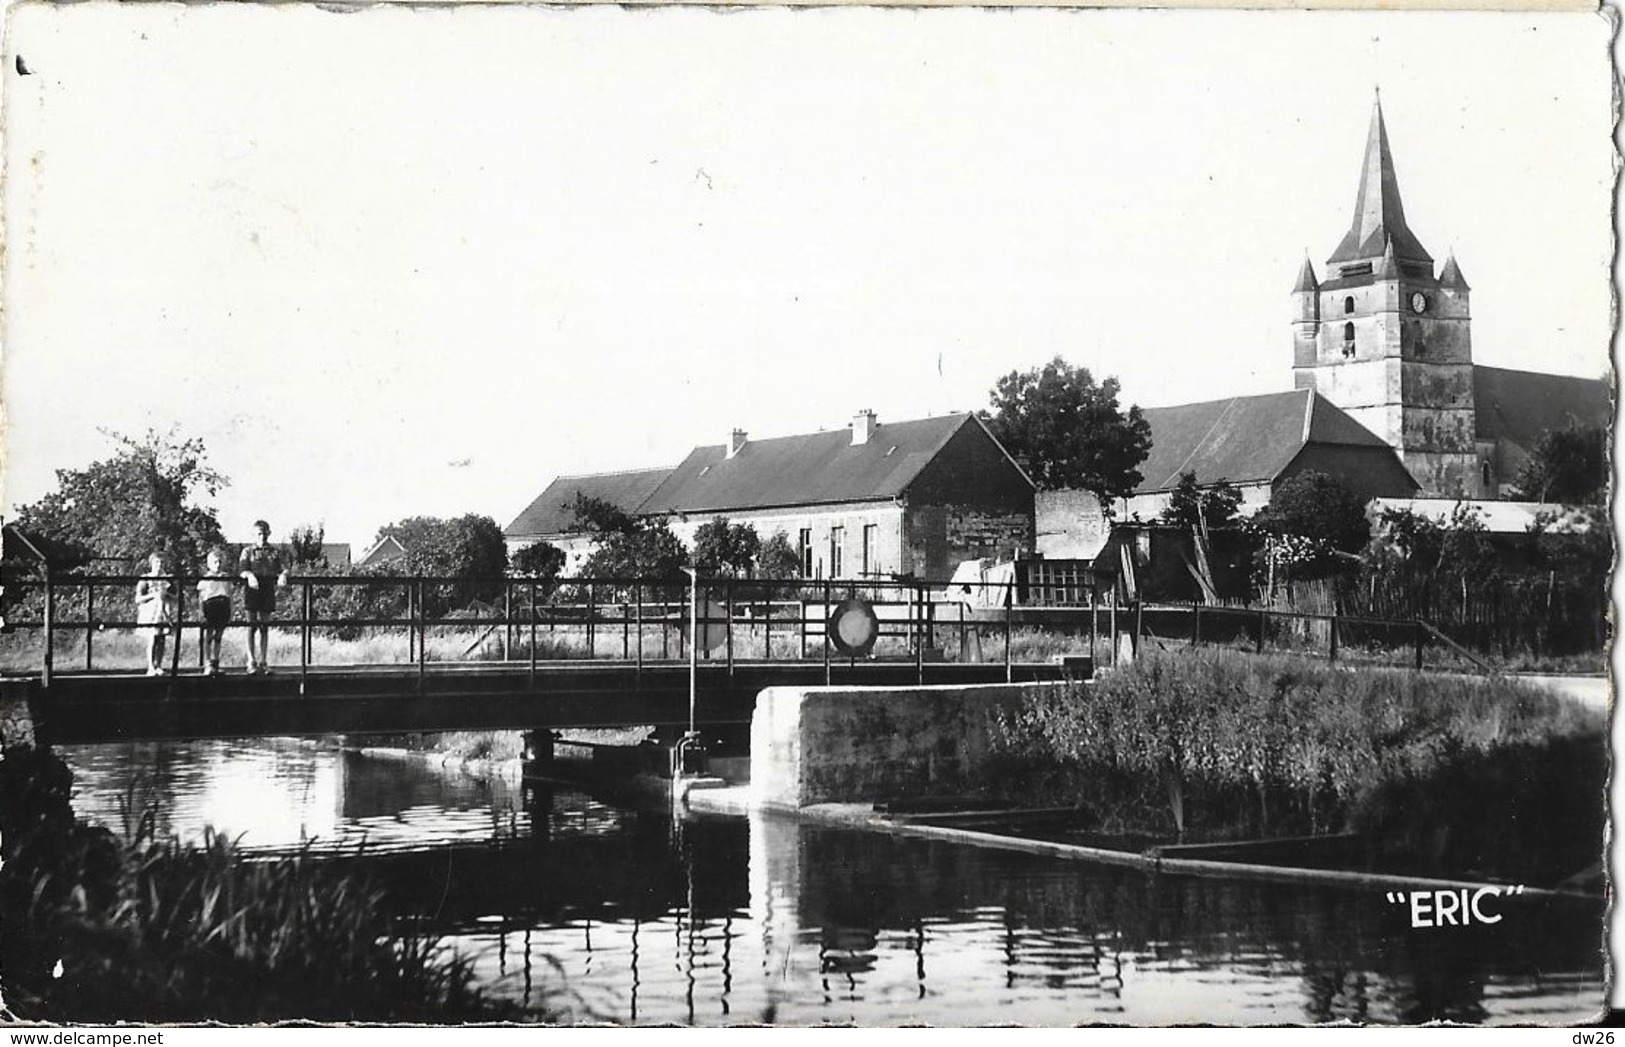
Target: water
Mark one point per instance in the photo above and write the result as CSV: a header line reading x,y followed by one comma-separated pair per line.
x,y
608,912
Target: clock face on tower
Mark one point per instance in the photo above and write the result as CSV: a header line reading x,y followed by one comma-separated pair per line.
x,y
1419,302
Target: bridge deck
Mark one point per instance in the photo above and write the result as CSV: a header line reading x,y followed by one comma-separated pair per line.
x,y
121,706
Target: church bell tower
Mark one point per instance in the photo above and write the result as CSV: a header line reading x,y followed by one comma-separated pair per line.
x,y
1386,340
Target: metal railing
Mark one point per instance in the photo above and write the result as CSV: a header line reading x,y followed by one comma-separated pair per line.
x,y
638,621
644,621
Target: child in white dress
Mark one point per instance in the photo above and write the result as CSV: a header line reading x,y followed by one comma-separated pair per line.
x,y
153,611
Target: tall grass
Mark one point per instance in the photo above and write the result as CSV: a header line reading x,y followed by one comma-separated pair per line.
x,y
155,930
1218,743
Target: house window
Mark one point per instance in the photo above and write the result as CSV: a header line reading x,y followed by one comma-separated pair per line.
x,y
837,536
1489,477
806,552
871,563
1348,339
1348,304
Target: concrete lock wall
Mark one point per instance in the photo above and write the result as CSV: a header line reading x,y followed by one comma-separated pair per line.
x,y
814,745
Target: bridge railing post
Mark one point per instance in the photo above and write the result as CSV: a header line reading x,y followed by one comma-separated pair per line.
x,y
179,628
46,659
423,632
304,636
530,682
917,596
1009,613
411,629
592,638
824,615
728,603
90,621
637,596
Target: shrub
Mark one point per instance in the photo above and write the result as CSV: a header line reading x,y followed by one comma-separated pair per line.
x,y
1233,744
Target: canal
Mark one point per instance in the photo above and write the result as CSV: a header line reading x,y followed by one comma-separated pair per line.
x,y
610,911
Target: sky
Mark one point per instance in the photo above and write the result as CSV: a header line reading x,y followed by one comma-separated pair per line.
x,y
416,261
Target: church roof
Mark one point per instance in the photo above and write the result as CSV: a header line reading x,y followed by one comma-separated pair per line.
x,y
1379,216
1518,406
809,469
552,511
1245,439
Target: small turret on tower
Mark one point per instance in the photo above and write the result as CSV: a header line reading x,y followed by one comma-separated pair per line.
x,y
1451,278
1305,315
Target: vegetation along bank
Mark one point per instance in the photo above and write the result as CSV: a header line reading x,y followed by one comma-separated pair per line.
x,y
1439,775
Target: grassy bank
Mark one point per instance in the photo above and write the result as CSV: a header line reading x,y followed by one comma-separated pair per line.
x,y
1440,774
101,929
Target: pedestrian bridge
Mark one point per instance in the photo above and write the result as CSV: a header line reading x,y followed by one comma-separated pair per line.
x,y
397,654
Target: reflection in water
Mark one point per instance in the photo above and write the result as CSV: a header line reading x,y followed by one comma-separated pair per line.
x,y
617,913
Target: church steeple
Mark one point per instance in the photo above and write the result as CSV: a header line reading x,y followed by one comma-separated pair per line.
x,y
1379,216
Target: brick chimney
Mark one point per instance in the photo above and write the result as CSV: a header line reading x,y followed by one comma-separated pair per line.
x,y
863,426
736,440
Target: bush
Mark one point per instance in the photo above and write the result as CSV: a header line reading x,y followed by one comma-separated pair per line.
x,y
1231,744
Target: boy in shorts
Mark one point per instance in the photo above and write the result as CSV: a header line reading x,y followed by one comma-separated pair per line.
x,y
214,589
262,571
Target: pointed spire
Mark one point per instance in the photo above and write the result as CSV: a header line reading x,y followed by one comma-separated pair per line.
x,y
1389,269
1451,277
1306,277
1378,213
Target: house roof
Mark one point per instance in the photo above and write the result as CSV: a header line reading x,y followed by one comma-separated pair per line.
x,y
1497,517
1518,406
387,549
552,512
1245,439
1379,216
810,469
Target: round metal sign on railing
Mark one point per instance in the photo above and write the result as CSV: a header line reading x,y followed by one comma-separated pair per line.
x,y
713,625
853,627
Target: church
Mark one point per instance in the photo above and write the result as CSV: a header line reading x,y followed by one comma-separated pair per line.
x,y
1386,398
1382,336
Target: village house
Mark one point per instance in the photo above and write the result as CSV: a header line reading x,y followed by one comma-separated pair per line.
x,y
873,500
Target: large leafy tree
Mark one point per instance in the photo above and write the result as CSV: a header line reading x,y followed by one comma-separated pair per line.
x,y
144,498
1192,506
1070,430
539,559
627,546
723,548
1568,466
468,548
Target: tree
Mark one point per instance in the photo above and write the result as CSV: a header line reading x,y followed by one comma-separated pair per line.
x,y
626,546
1568,466
721,548
1190,506
469,548
778,558
305,545
144,498
1070,431
1315,506
539,559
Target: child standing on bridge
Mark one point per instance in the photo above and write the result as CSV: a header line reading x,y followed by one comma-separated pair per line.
x,y
152,611
214,589
262,572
